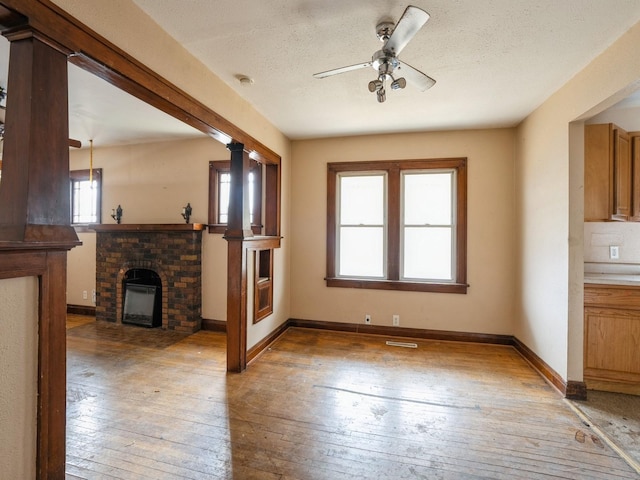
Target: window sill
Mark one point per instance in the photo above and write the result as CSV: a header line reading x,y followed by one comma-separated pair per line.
x,y
222,228
398,285
84,227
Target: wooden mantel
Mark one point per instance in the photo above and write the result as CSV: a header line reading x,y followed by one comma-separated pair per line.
x,y
148,227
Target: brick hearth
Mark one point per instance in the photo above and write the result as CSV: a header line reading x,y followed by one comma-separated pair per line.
x,y
174,252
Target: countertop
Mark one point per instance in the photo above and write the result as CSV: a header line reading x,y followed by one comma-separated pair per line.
x,y
612,273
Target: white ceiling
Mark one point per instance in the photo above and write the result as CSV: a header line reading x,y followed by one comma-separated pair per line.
x,y
494,61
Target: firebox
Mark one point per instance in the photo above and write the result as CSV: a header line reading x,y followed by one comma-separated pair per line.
x,y
142,298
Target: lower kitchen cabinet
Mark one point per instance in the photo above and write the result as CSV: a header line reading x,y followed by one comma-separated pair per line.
x,y
612,338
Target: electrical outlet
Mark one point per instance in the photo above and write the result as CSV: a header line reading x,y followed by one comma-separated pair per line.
x,y
396,320
614,252
93,296
84,295
367,319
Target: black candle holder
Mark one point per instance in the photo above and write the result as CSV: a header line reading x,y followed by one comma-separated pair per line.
x,y
186,212
117,214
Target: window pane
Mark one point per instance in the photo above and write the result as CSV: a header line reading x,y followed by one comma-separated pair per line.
x,y
224,189
252,187
427,253
362,200
427,198
361,252
85,202
224,185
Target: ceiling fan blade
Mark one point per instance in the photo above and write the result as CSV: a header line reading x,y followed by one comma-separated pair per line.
x,y
411,21
336,71
415,77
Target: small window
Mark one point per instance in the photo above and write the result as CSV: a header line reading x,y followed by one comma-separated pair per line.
x,y
86,196
219,190
397,225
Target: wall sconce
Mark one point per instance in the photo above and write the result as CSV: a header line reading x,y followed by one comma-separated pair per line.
x,y
116,214
186,212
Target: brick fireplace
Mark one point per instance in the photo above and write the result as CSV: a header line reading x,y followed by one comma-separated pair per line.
x,y
173,252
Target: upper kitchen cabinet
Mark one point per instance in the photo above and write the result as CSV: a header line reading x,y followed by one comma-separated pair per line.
x,y
607,174
635,176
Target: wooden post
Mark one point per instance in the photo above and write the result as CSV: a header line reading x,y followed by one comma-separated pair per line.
x,y
35,231
238,228
34,192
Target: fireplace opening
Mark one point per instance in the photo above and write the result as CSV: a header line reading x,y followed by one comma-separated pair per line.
x,y
142,298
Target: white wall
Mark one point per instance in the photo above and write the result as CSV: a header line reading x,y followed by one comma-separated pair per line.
x,y
488,305
18,376
550,205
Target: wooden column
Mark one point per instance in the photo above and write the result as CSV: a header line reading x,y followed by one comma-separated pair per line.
x,y
35,231
238,229
35,170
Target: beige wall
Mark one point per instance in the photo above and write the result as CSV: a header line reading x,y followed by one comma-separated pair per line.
x,y
550,203
488,305
18,376
124,24
152,182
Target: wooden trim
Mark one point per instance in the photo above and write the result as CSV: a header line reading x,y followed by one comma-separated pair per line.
x,y
570,389
81,310
262,284
576,390
394,170
420,333
261,346
261,242
211,325
50,268
397,285
149,227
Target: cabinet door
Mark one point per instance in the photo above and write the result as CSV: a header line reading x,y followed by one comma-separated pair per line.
x,y
598,172
622,175
612,344
635,173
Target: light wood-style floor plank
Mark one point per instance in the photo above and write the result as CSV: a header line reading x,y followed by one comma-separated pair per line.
x,y
146,403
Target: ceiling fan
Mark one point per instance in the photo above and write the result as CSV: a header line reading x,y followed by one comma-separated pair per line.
x,y
386,62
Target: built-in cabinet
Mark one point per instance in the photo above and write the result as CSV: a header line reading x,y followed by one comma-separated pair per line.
x,y
611,174
612,338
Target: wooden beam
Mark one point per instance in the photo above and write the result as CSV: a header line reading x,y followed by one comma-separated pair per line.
x,y
101,57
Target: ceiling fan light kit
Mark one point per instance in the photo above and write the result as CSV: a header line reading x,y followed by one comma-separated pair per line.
x,y
385,61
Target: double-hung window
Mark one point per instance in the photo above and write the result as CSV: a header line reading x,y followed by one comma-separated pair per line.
x,y
220,189
86,196
398,225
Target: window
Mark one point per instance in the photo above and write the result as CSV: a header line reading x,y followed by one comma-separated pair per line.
x,y
86,196
398,225
219,187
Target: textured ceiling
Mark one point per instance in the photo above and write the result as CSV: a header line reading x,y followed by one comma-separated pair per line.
x,y
494,61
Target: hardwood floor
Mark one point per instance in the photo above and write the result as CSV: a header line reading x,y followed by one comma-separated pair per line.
x,y
152,404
